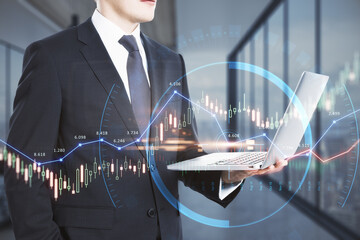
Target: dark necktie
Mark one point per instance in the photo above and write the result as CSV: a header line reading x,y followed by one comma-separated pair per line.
x,y
138,84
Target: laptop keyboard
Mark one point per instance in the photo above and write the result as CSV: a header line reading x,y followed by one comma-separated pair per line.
x,y
247,158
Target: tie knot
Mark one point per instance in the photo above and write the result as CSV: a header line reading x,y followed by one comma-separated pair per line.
x,y
129,43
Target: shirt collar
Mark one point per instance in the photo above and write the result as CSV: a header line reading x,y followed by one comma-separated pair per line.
x,y
109,31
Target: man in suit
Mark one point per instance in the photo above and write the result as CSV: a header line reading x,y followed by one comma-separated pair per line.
x,y
101,80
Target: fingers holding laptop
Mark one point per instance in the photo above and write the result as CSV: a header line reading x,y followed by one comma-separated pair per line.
x,y
238,176
279,165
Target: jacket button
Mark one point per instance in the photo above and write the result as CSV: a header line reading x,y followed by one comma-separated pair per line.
x,y
151,213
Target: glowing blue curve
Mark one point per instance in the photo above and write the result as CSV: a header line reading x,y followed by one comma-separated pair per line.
x,y
308,140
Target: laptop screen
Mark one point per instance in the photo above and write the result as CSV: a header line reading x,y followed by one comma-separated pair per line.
x,y
294,122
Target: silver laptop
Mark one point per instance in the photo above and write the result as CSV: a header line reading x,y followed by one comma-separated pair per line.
x,y
285,143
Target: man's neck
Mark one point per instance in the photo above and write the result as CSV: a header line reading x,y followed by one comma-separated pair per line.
x,y
126,25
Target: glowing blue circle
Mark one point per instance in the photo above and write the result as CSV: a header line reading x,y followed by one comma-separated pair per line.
x,y
308,140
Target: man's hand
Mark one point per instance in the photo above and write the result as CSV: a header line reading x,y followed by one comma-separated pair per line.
x,y
238,176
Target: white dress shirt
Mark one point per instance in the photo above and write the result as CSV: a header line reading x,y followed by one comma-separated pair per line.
x,y
110,35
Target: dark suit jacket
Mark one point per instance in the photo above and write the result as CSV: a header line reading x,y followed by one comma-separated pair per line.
x,y
62,93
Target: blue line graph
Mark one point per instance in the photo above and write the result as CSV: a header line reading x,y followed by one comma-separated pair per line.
x,y
121,147
102,140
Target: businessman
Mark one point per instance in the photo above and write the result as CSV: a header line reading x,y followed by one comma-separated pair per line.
x,y
66,80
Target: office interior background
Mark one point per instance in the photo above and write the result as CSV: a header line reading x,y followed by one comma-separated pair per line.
x,y
285,37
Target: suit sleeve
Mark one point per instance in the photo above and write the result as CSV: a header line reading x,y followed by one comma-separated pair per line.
x,y
34,127
204,182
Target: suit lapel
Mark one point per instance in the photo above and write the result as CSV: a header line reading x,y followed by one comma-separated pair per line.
x,y
155,71
100,62
159,74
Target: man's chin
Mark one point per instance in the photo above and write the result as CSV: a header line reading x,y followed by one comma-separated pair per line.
x,y
145,19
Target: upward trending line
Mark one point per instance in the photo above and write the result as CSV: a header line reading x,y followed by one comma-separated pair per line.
x,y
121,147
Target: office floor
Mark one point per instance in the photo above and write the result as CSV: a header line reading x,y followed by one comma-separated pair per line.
x,y
289,223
